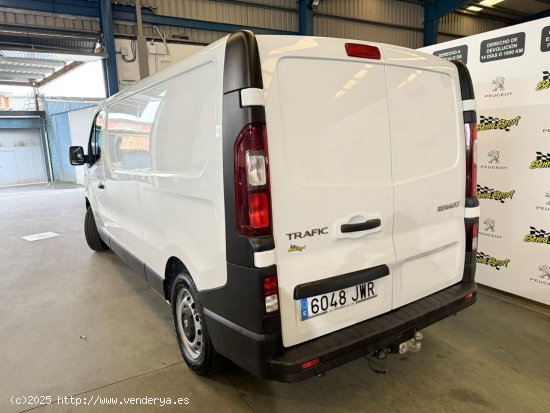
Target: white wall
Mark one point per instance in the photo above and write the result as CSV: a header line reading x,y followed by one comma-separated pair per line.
x,y
85,81
160,57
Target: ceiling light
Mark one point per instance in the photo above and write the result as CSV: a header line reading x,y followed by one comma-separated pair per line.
x,y
474,8
489,2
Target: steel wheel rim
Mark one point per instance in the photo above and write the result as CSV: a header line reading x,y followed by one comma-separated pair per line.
x,y
189,325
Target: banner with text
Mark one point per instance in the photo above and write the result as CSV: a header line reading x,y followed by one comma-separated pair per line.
x,y
510,71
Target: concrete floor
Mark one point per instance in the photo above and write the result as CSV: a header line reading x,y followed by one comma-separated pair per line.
x,y
493,357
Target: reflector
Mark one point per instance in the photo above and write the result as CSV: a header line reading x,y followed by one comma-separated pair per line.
x,y
310,363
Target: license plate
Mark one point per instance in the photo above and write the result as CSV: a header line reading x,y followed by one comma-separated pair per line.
x,y
321,304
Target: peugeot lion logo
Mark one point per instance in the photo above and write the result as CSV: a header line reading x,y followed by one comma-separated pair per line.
x,y
494,156
548,196
498,83
545,269
489,224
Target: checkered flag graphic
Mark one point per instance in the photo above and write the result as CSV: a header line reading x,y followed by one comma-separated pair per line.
x,y
487,119
484,120
539,232
482,255
487,190
543,157
545,75
484,189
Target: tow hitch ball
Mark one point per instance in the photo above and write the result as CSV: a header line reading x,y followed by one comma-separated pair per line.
x,y
413,345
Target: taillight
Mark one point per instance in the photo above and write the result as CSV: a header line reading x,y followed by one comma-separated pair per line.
x,y
252,192
471,237
470,133
363,50
271,294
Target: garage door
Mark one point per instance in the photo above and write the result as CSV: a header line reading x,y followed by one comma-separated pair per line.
x,y
21,157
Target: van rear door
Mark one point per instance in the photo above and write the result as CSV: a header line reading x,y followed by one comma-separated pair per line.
x,y
428,168
331,183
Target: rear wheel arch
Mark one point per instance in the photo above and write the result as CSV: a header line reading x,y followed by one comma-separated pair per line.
x,y
174,267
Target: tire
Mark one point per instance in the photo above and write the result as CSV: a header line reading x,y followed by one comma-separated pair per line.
x,y
193,339
92,235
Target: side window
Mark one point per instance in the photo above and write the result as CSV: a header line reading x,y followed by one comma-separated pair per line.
x,y
96,137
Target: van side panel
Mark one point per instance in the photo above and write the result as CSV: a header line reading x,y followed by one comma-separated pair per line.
x,y
428,163
123,160
180,187
170,164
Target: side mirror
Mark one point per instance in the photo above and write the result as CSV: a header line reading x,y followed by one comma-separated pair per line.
x,y
76,155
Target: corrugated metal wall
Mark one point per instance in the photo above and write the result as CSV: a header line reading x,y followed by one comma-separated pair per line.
x,y
463,25
394,22
29,18
270,14
21,157
59,135
384,21
80,122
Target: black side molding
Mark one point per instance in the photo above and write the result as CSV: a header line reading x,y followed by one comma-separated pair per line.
x,y
470,116
466,86
242,63
471,202
340,282
242,70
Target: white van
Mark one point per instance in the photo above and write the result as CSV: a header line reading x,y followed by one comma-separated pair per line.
x,y
300,201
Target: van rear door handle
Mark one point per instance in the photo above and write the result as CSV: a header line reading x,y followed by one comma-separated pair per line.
x,y
100,185
361,226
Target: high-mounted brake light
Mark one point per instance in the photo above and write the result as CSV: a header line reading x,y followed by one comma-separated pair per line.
x,y
470,134
363,50
252,192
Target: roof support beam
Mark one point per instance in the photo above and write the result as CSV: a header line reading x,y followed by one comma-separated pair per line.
x,y
151,18
58,74
109,64
433,11
305,17
20,122
143,53
128,13
540,15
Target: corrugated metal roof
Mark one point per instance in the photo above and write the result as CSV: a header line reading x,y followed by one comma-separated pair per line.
x,y
58,57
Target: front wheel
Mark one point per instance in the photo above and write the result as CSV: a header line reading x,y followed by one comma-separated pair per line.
x,y
93,239
193,339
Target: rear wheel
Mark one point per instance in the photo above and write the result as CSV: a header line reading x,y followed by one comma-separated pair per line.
x,y
92,235
193,339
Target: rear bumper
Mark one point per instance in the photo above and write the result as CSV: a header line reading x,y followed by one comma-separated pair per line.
x,y
264,355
